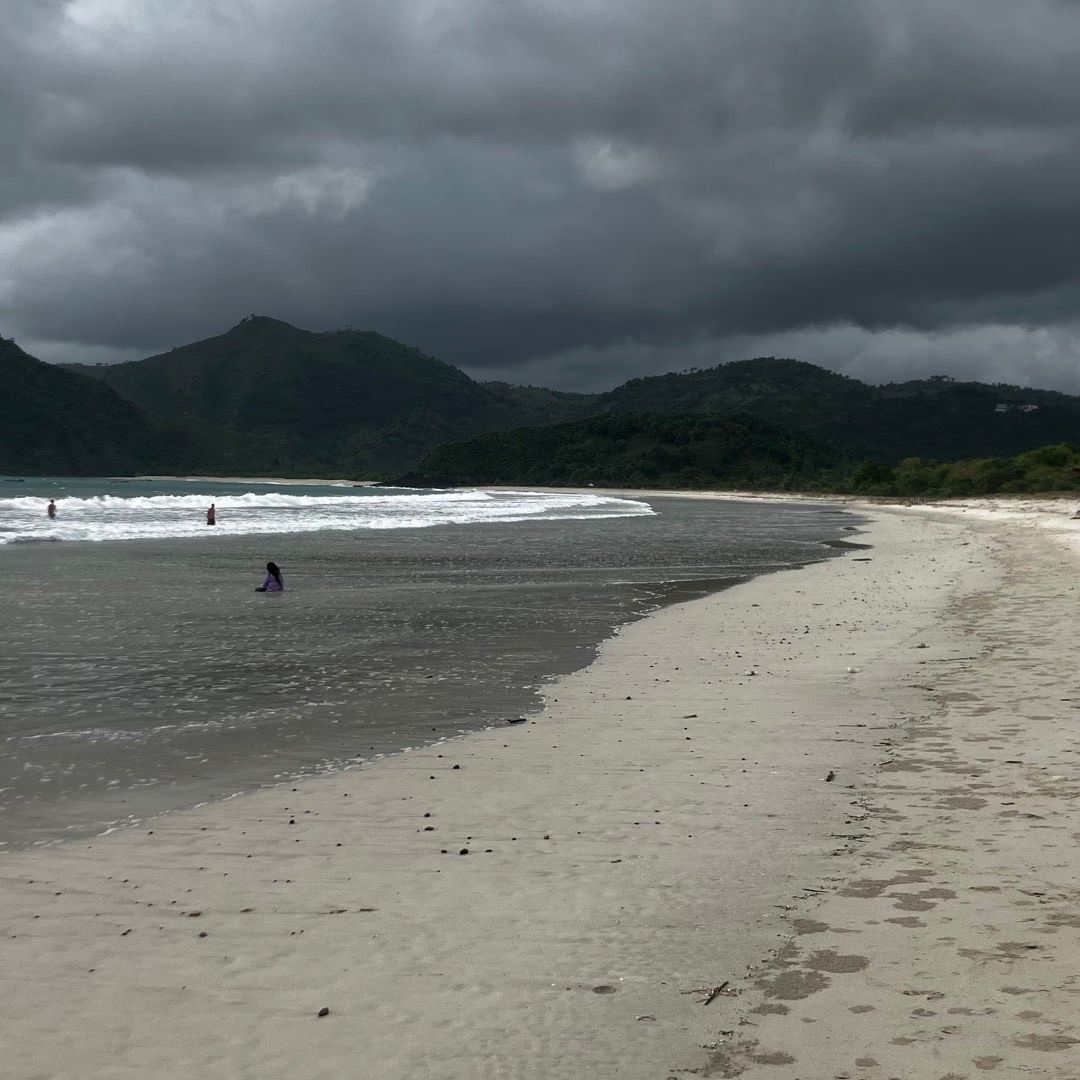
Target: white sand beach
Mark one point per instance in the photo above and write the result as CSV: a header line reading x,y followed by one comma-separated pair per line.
x,y
822,824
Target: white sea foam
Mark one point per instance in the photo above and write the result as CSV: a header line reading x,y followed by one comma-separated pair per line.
x,y
160,517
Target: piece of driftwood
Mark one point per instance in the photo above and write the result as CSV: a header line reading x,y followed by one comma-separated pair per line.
x,y
712,992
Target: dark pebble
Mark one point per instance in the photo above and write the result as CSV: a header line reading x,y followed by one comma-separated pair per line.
x,y
324,1011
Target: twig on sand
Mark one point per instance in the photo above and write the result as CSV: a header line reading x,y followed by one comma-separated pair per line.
x,y
712,992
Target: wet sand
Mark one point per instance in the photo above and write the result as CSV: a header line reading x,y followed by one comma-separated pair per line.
x,y
863,769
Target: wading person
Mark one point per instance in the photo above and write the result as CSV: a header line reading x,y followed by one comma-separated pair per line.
x,y
211,515
51,509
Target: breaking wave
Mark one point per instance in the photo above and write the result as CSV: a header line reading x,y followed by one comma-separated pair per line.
x,y
160,517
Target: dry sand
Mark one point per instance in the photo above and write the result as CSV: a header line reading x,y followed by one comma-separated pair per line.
x,y
953,951
662,829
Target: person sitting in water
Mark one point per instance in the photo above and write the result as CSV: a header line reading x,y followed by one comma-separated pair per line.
x,y
273,582
51,509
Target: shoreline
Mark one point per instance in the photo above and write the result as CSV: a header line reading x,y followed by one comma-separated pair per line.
x,y
653,834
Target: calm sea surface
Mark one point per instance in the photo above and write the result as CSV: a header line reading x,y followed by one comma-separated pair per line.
x,y
140,672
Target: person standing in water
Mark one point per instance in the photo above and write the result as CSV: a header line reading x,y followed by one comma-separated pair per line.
x,y
211,515
51,510
273,582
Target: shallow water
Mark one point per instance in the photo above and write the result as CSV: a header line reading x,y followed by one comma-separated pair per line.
x,y
147,675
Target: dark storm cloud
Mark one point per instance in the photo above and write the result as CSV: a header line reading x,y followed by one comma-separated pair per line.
x,y
556,191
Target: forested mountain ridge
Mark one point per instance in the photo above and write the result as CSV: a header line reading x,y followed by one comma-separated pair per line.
x,y
269,398
55,422
350,401
788,388
933,418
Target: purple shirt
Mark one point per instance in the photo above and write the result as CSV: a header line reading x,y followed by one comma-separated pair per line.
x,y
271,584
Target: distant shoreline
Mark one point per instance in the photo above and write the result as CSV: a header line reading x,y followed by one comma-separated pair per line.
x,y
280,480
664,493
667,493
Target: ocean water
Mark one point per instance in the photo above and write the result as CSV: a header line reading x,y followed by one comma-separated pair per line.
x,y
140,672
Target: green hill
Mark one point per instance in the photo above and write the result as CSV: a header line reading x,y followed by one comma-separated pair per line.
x,y
947,420
638,450
931,418
785,391
347,401
58,422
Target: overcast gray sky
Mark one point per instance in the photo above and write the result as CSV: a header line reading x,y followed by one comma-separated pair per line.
x,y
563,192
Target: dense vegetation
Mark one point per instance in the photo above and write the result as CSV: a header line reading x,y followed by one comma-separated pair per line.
x,y
1047,469
696,451
640,450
